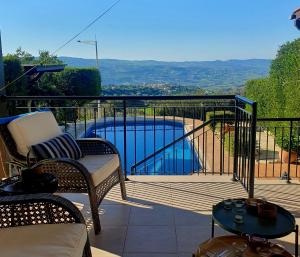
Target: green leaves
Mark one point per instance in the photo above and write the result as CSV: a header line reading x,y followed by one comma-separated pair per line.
x,y
71,81
279,94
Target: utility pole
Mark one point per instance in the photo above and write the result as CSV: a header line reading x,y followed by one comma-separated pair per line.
x,y
94,43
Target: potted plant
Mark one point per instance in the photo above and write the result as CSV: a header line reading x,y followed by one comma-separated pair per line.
x,y
286,145
228,127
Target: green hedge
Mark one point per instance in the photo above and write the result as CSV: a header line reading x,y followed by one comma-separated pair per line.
x,y
74,81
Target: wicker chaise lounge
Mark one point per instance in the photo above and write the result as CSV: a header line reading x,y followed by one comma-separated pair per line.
x,y
95,173
41,225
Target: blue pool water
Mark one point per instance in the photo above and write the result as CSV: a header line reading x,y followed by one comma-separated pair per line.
x,y
144,137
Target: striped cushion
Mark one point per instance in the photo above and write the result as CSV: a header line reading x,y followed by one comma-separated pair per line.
x,y
63,146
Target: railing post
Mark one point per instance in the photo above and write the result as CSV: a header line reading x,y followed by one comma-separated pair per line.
x,y
125,138
236,143
252,150
290,150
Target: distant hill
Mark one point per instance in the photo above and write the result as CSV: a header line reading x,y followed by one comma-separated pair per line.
x,y
206,74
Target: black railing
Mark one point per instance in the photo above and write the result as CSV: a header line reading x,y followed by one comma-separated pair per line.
x,y
162,134
162,150
277,148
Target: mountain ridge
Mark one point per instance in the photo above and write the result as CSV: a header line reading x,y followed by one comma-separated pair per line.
x,y
218,73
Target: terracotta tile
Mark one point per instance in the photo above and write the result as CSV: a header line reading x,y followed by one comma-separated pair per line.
x,y
150,239
153,215
191,218
114,215
111,239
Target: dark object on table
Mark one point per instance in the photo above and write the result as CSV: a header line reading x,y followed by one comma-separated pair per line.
x,y
255,242
267,210
34,182
251,204
43,183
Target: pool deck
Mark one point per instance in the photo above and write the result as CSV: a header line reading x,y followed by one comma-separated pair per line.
x,y
168,216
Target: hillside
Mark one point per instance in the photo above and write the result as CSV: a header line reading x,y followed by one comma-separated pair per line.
x,y
205,74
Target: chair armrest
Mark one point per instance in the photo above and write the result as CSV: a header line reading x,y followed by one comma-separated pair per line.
x,y
33,209
71,174
96,146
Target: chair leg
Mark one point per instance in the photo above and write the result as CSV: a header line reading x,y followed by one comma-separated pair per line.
x,y
122,184
87,249
95,214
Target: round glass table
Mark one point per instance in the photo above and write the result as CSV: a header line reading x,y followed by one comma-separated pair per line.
x,y
251,224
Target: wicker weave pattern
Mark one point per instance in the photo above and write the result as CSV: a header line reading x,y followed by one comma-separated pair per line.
x,y
70,177
37,209
96,146
106,185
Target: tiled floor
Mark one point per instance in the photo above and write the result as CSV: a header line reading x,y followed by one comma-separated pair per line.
x,y
168,216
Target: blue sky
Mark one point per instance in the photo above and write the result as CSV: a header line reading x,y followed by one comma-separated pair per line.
x,y
173,30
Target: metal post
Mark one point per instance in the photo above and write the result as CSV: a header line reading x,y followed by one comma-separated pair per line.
x,y
97,59
296,240
290,149
125,138
212,223
252,150
236,143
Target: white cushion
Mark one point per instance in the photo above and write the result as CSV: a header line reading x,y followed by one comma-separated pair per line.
x,y
32,129
100,166
46,240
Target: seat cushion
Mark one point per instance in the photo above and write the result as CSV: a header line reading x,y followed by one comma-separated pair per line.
x,y
33,129
63,146
49,240
100,166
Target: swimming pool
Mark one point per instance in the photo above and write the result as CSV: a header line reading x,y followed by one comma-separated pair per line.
x,y
144,137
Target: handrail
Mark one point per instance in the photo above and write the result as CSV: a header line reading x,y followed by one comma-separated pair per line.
x,y
278,119
103,98
244,99
168,153
172,143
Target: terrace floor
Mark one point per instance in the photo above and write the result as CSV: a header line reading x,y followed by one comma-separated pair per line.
x,y
168,216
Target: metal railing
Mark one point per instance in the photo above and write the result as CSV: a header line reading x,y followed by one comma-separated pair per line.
x,y
277,148
162,134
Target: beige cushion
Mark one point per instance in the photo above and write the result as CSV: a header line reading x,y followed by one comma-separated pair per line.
x,y
33,129
100,166
49,240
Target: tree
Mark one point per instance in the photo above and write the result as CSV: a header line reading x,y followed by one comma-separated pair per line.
x,y
71,81
279,94
12,70
23,56
78,81
45,58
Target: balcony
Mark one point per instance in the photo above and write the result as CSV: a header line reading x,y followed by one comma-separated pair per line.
x,y
171,215
180,155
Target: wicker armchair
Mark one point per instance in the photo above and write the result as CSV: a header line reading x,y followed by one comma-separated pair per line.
x,y
32,216
73,175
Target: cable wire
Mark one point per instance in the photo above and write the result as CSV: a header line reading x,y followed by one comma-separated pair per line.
x,y
64,44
